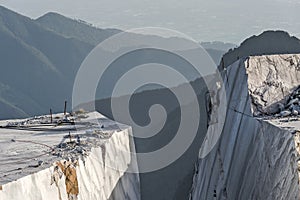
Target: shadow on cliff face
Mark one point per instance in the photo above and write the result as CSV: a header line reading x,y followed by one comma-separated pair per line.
x,y
175,180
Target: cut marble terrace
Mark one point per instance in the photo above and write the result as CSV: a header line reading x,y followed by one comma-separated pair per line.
x,y
59,144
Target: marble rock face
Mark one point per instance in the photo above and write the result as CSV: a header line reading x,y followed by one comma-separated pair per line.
x,y
273,83
254,158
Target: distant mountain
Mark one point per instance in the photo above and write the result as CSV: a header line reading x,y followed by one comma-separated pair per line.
x,y
217,49
34,68
14,104
217,45
75,28
86,32
267,43
216,55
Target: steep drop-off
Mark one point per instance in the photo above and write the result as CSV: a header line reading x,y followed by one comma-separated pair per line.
x,y
253,159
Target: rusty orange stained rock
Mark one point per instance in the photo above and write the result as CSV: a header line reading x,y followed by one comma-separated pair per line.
x,y
69,170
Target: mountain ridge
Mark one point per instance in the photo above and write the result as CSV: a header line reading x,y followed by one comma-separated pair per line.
x,y
266,43
73,28
30,61
40,57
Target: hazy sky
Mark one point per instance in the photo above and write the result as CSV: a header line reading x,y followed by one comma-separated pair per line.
x,y
210,20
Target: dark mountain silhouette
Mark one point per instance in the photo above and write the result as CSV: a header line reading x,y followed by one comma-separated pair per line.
x,y
267,43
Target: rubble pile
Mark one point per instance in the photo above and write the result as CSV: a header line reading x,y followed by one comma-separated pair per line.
x,y
79,145
292,107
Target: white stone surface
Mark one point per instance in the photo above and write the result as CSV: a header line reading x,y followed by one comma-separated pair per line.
x,y
271,79
100,174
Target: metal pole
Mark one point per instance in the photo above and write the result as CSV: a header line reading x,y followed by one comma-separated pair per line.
x,y
65,109
51,115
70,137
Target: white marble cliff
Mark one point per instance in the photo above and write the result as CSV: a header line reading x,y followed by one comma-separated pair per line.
x,y
255,158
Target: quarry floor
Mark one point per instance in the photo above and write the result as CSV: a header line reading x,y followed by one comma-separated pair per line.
x,y
31,145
